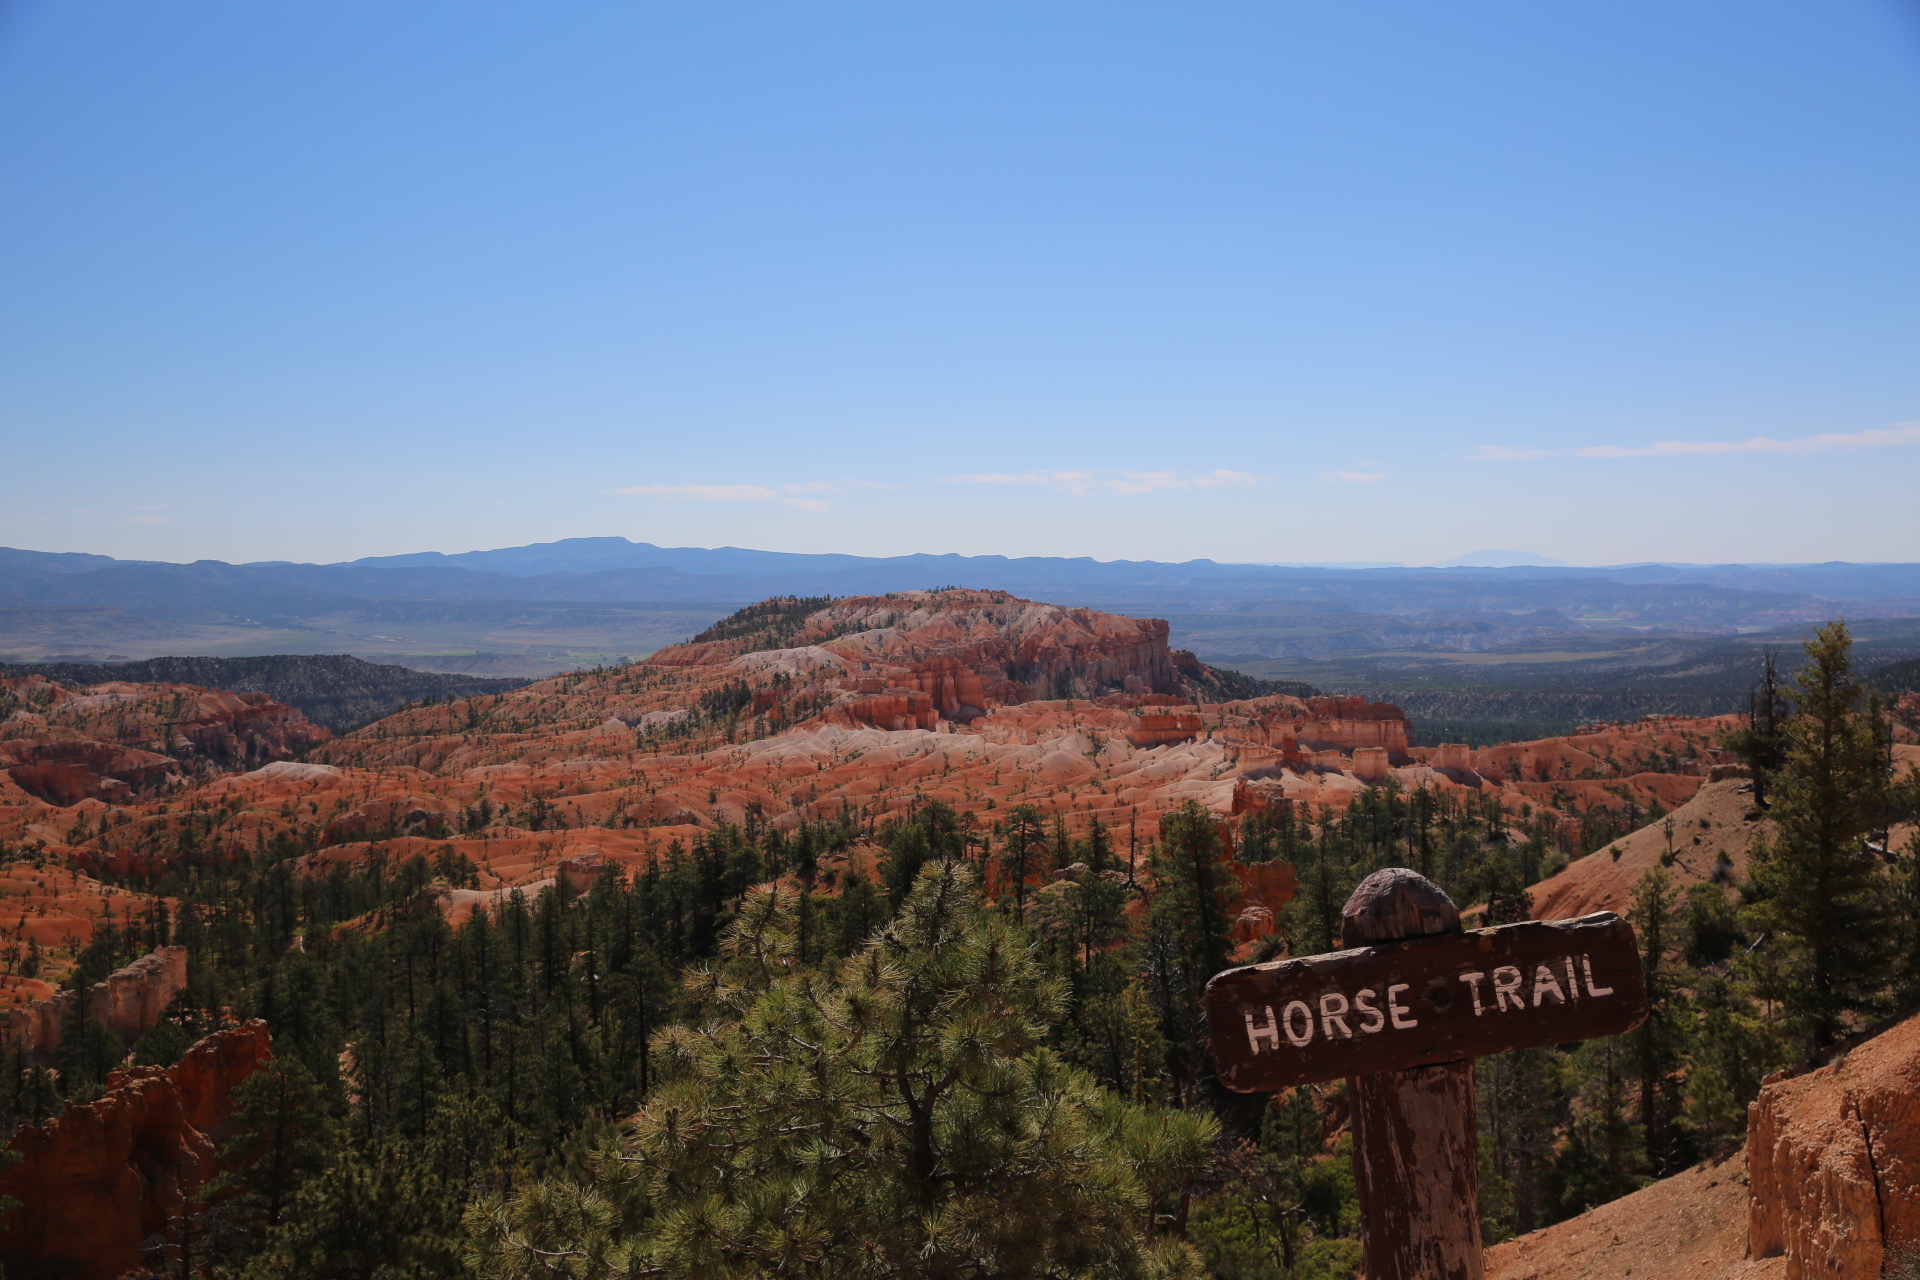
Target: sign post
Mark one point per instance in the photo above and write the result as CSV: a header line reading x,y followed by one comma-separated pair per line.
x,y
1402,1013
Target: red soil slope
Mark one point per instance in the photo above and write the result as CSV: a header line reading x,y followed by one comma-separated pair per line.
x,y
1719,818
1692,1226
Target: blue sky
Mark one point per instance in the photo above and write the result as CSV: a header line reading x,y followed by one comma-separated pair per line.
x,y
1254,281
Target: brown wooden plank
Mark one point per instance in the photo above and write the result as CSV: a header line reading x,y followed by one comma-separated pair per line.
x,y
1425,1000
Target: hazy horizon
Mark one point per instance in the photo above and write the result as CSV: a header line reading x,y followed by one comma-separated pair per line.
x,y
1483,559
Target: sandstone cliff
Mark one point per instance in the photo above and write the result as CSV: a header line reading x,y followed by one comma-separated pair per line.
x,y
101,1178
128,1003
1834,1161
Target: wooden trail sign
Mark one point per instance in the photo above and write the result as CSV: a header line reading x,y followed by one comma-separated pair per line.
x,y
1402,1013
1434,999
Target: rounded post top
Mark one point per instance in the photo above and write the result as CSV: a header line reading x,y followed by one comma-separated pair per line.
x,y
1396,903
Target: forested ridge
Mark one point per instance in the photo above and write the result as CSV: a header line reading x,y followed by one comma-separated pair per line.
x,y
979,1052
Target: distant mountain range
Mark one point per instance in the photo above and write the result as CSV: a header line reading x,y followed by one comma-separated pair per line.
x,y
587,557
532,609
615,568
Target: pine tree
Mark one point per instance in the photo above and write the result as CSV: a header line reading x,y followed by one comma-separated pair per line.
x,y
1523,1098
1825,901
1762,741
1598,1162
87,1051
1660,1043
1022,842
1907,881
285,1130
285,1133
896,1118
1189,935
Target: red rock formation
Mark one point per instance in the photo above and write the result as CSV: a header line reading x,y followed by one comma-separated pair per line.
x,y
580,869
973,649
1157,730
404,814
66,769
43,905
1372,764
1265,890
893,709
128,1003
1261,798
1333,724
98,1180
1350,722
1833,1160
1610,751
114,740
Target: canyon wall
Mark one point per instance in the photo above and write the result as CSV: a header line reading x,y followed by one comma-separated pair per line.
x,y
98,1180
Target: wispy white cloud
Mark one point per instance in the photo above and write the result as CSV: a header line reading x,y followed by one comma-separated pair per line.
x,y
1353,477
1828,442
792,495
1083,484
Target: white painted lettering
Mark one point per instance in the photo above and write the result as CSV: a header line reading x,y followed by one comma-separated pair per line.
x,y
1333,1013
1506,986
1586,964
1363,1002
1398,1012
1573,983
1544,985
1297,1038
1473,981
1255,1034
